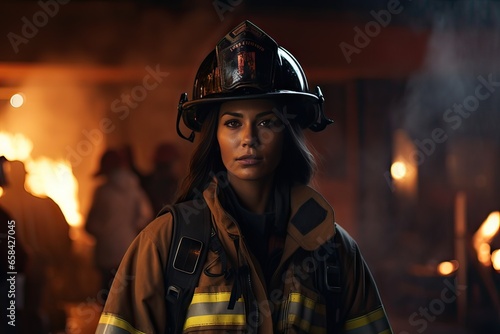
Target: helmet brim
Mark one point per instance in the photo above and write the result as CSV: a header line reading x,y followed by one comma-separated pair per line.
x,y
301,107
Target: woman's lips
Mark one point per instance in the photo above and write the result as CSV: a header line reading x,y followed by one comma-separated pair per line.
x,y
248,160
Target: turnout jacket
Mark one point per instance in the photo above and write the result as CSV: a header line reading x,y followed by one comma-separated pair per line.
x,y
290,304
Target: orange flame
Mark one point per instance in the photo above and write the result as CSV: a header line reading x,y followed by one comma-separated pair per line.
x,y
495,259
484,235
46,177
15,146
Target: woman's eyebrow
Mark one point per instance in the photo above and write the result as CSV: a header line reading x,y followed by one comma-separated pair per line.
x,y
264,113
230,113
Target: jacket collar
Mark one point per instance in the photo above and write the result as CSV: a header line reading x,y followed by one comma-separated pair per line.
x,y
311,223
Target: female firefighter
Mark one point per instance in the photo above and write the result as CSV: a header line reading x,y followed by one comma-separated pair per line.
x,y
249,247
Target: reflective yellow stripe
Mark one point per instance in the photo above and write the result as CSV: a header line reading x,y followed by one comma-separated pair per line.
x,y
212,297
111,320
304,313
210,309
301,323
365,319
296,297
215,319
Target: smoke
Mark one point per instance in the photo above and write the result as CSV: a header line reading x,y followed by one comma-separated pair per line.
x,y
450,112
463,46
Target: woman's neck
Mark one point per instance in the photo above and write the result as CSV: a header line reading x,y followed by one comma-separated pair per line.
x,y
253,195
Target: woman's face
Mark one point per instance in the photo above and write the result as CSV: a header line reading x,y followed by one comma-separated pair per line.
x,y
250,138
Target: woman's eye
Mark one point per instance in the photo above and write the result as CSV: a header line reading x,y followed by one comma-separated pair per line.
x,y
265,123
232,123
268,123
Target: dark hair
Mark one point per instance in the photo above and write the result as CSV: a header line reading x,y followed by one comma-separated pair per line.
x,y
206,161
296,154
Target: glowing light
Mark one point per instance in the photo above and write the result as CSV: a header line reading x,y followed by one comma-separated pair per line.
x,y
46,177
490,226
495,259
398,170
15,146
447,267
483,254
17,100
484,235
1,191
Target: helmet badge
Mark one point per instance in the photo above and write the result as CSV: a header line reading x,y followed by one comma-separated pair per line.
x,y
246,66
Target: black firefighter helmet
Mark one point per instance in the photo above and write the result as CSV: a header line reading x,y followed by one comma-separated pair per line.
x,y
248,64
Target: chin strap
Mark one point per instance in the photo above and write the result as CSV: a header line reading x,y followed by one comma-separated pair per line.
x,y
183,99
321,122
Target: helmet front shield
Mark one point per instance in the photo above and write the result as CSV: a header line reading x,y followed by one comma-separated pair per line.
x,y
248,64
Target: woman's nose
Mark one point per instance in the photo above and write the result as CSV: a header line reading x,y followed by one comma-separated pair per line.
x,y
249,136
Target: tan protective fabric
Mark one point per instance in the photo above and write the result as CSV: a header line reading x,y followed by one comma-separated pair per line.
x,y
136,301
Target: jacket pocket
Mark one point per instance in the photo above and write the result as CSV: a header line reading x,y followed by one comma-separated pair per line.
x,y
208,312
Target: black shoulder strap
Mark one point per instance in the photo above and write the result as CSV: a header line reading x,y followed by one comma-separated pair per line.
x,y
188,250
328,281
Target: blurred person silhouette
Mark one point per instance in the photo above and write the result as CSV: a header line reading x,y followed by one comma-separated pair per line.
x,y
43,231
3,180
11,262
161,184
128,154
119,211
14,259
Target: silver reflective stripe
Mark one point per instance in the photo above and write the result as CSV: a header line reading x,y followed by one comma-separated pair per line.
x,y
371,323
304,313
300,311
110,329
210,309
214,308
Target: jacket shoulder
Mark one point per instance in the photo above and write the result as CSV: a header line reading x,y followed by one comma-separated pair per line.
x,y
312,218
345,240
159,231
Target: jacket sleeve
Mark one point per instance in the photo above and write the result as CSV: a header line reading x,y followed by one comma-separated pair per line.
x,y
362,310
136,300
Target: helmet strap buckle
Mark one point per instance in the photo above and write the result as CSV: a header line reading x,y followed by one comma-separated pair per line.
x,y
322,122
183,99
